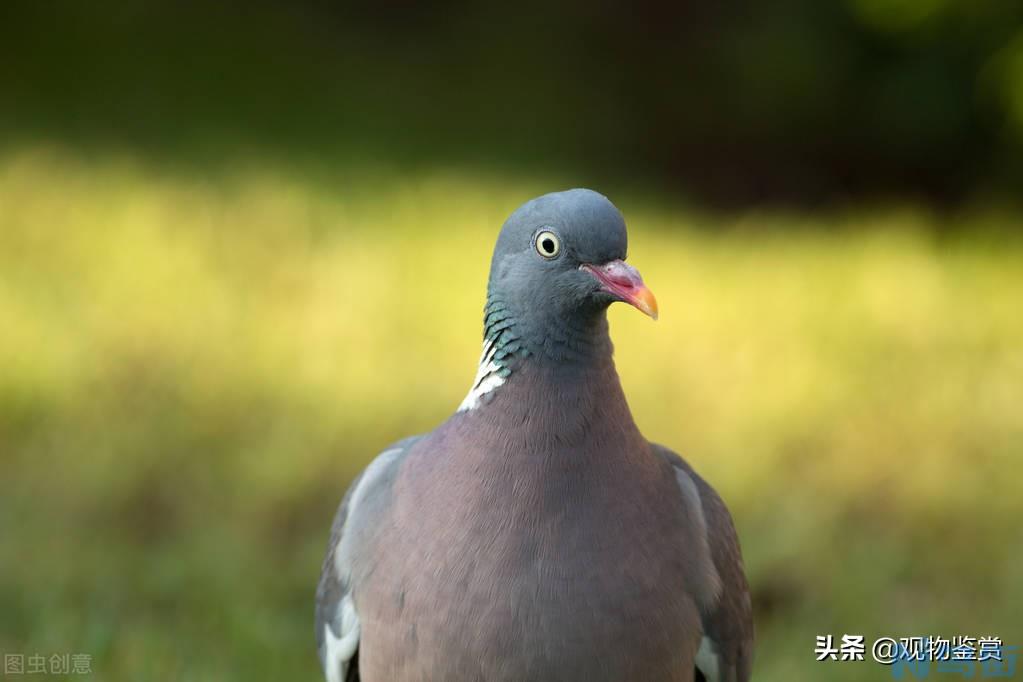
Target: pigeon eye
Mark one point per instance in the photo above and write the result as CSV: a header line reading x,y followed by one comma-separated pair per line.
x,y
547,244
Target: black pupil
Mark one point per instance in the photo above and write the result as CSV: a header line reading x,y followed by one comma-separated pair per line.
x,y
547,244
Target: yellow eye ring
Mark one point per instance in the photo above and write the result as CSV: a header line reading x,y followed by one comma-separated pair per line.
x,y
547,244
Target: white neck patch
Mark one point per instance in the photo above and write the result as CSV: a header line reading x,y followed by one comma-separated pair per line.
x,y
488,377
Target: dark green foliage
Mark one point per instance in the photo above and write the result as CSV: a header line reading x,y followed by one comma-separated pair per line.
x,y
728,102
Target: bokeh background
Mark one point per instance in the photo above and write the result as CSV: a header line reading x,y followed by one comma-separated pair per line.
x,y
243,246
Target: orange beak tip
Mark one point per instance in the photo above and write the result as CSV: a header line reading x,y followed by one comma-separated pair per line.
x,y
647,303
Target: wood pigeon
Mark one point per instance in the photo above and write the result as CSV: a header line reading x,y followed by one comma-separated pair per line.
x,y
536,535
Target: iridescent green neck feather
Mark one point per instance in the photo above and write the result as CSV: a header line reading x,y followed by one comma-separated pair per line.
x,y
503,349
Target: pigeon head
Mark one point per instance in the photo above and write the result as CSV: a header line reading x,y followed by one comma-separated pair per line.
x,y
558,264
561,257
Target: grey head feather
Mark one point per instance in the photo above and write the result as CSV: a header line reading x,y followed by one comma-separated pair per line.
x,y
544,306
532,299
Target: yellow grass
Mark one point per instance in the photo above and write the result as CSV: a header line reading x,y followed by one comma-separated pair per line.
x,y
193,364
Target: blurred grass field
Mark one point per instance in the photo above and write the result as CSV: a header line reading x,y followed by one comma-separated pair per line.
x,y
193,365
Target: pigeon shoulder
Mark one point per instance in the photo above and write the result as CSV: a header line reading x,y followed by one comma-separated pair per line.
x,y
337,624
727,651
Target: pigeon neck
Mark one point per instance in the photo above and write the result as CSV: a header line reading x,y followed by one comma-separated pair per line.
x,y
556,350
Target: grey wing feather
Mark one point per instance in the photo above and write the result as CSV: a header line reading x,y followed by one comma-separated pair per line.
x,y
729,623
332,588
337,628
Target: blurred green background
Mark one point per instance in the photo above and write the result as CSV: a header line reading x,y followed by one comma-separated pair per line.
x,y
244,246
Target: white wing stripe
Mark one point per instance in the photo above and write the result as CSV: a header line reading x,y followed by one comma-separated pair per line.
x,y
707,660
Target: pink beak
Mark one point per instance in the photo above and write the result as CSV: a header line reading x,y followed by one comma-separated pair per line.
x,y
624,282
